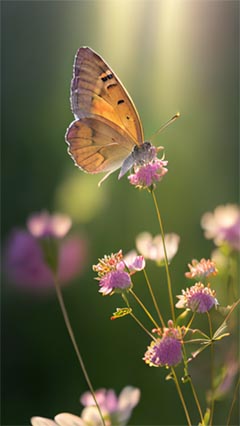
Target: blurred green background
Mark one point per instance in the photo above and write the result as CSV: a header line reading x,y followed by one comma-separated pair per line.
x,y
172,56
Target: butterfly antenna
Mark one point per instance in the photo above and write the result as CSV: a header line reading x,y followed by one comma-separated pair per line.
x,y
164,126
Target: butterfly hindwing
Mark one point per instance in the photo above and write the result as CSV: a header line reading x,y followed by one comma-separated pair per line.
x,y
97,145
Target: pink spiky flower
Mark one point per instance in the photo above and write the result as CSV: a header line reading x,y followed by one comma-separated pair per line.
x,y
148,168
167,350
114,273
198,298
203,269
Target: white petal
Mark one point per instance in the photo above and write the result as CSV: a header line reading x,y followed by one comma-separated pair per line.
x,y
67,419
42,421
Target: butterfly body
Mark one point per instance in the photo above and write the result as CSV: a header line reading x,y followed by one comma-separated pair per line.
x,y
107,126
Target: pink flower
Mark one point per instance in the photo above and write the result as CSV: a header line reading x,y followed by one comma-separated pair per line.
x,y
118,409
197,298
114,273
43,224
152,247
25,264
115,410
167,350
202,269
223,225
148,168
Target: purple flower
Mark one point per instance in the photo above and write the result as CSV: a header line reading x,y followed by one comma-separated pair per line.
x,y
42,225
202,269
25,266
223,225
167,350
114,272
197,298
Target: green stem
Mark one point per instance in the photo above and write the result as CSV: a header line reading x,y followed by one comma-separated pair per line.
x,y
72,337
154,299
165,257
233,401
181,396
196,400
212,368
135,318
143,307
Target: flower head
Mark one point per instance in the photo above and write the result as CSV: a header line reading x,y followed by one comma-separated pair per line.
x,y
223,225
42,225
152,247
114,273
167,350
198,298
25,264
202,269
119,409
148,168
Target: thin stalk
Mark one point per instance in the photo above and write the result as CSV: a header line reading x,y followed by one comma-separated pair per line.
x,y
192,386
165,258
181,396
233,401
72,337
212,368
135,318
153,298
143,307
196,400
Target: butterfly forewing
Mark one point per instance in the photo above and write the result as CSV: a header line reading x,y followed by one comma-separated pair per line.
x,y
95,89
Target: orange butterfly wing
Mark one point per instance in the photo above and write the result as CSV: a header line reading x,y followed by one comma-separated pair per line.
x,y
107,125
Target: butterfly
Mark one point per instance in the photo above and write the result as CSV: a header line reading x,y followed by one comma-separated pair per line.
x,y
107,132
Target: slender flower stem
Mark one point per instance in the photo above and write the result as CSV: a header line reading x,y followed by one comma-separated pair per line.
x,y
196,400
165,257
143,307
135,318
72,337
181,396
153,298
233,401
212,368
192,385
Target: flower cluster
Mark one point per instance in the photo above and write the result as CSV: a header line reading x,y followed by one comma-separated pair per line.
x,y
203,269
198,298
114,272
148,168
115,411
167,350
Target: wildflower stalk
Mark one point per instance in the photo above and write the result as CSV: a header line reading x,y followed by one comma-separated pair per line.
x,y
153,298
189,379
72,337
144,308
196,400
181,396
165,257
135,318
212,368
233,402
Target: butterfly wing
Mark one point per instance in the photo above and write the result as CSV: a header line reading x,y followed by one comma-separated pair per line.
x,y
97,145
96,89
107,125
